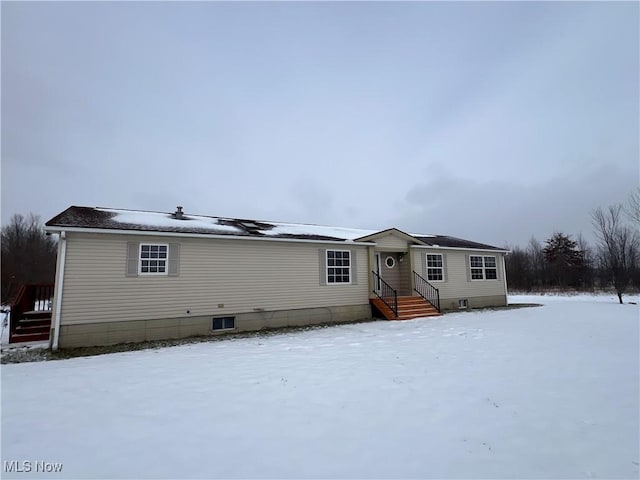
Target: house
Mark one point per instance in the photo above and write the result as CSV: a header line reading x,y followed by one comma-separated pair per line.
x,y
127,276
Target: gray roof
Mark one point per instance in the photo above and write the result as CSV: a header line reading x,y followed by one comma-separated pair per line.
x,y
143,221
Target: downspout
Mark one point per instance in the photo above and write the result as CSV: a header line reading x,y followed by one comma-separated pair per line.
x,y
59,285
504,275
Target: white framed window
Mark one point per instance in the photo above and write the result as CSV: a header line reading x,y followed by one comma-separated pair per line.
x,y
153,259
435,267
490,268
483,267
338,266
390,262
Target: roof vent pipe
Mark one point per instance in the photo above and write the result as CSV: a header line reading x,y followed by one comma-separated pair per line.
x,y
178,213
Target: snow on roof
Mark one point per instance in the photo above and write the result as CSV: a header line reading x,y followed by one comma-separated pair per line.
x,y
115,219
272,229
160,220
111,218
319,230
424,235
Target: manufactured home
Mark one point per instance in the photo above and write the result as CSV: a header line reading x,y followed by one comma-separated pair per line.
x,y
129,276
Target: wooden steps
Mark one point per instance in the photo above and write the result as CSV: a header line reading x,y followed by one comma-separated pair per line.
x,y
30,319
31,327
408,308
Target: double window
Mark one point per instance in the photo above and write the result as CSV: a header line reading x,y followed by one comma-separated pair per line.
x,y
483,268
153,259
435,267
338,266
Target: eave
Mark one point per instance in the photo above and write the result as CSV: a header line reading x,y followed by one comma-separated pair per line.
x,y
156,233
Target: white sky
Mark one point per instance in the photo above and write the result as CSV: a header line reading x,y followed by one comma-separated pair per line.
x,y
491,121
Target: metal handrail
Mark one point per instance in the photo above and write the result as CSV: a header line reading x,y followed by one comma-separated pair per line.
x,y
387,294
427,291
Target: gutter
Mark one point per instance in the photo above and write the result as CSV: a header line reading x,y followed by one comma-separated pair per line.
x,y
156,233
59,285
466,249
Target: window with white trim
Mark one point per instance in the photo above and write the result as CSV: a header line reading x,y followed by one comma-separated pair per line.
x,y
153,259
483,268
435,267
338,266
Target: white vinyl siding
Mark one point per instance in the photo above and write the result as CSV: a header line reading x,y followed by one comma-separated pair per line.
x,y
217,277
457,282
391,241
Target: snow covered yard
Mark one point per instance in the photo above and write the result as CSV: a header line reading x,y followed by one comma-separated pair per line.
x,y
541,392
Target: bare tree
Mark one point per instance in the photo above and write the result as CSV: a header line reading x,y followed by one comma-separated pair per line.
x,y
618,247
589,258
632,207
537,264
28,255
518,268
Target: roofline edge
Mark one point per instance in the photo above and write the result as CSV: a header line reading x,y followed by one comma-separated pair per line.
x,y
495,250
157,233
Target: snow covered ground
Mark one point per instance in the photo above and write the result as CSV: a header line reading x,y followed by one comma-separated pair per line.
x,y
4,325
541,392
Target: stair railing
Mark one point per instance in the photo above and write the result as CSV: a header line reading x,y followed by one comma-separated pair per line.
x,y
427,291
28,299
387,294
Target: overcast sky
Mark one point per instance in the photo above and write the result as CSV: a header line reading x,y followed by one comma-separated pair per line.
x,y
492,121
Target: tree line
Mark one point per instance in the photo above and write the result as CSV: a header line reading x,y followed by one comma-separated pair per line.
x,y
28,255
562,262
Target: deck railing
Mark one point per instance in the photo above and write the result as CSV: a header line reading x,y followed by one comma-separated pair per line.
x,y
427,291
386,293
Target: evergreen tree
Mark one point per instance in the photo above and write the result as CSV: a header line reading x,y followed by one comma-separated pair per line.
x,y
565,259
